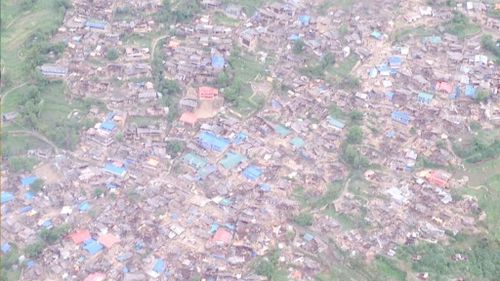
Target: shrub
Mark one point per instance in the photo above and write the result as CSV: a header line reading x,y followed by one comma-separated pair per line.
x,y
355,135
34,250
112,54
304,219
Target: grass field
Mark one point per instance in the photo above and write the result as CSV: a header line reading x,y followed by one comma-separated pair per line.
x,y
244,69
56,121
45,16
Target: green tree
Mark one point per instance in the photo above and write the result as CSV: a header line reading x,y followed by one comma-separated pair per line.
x,y
53,234
36,186
98,192
356,116
298,47
112,54
304,219
353,157
175,147
355,135
34,250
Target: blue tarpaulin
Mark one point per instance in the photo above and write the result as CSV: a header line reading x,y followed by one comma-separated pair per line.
x,y
92,246
252,172
282,130
376,34
115,170
108,125
26,209
27,181
7,196
159,266
294,37
218,62
84,207
297,142
470,91
304,20
29,195
6,247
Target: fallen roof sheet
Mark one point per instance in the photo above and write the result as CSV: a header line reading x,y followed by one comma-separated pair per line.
x,y
108,240
80,236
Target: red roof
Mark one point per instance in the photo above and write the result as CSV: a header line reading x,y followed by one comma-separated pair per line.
x,y
108,240
222,236
96,276
189,117
207,93
445,87
438,178
80,236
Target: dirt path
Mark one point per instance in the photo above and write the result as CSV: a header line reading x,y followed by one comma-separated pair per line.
x,y
154,43
344,190
36,135
11,90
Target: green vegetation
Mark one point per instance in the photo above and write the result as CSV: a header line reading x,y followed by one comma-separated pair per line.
x,y
304,219
487,195
37,186
314,202
182,11
298,47
269,267
355,135
461,26
387,269
9,259
55,233
35,249
491,46
325,6
402,35
351,155
242,69
112,54
249,6
485,145
21,164
317,71
98,192
175,148
169,89
221,19
436,259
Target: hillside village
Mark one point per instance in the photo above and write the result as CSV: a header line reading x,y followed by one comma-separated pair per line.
x,y
298,127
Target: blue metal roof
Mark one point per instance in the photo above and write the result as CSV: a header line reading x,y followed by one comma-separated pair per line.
x,y
212,142
282,130
29,195
96,24
218,62
232,160
395,60
294,37
425,97
252,172
401,117
335,122
304,20
376,34
159,266
470,91
27,181
297,142
194,160
7,196
115,170
84,207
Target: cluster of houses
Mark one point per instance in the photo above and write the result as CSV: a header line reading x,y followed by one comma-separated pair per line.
x,y
205,195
